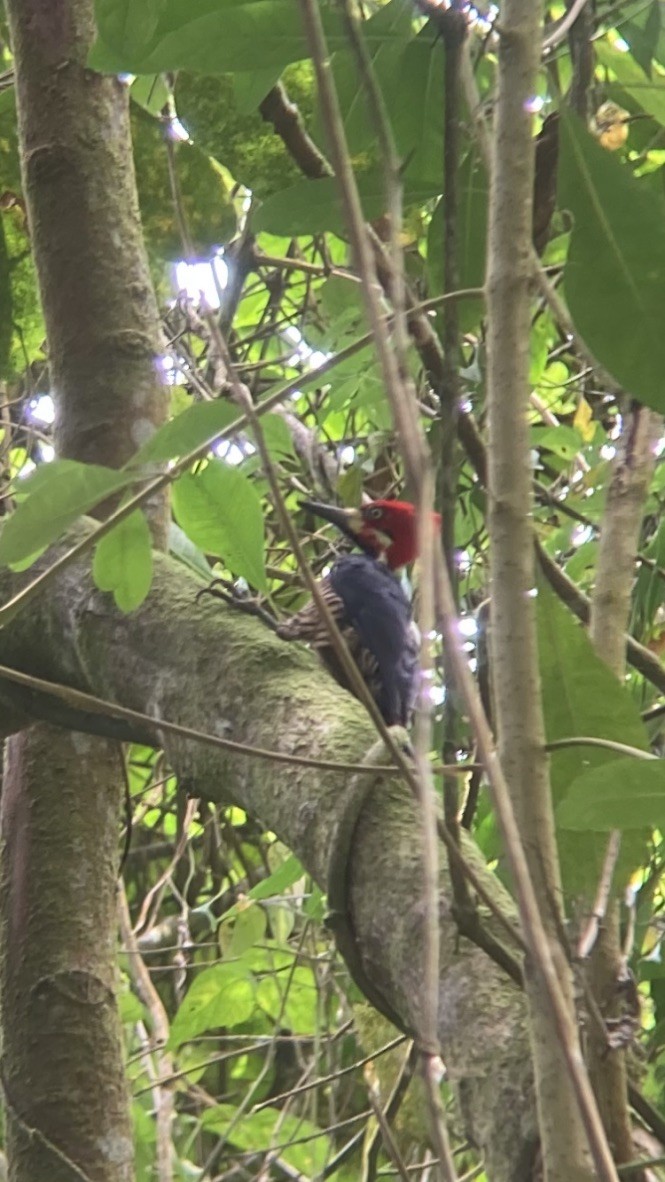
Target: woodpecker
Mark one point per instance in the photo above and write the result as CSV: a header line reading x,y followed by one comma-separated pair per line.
x,y
369,604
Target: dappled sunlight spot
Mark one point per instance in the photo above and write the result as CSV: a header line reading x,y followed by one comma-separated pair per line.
x,y
303,352
581,534
42,409
170,370
201,281
233,451
177,130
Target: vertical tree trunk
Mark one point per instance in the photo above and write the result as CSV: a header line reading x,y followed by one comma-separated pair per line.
x,y
62,1070
516,679
78,176
610,607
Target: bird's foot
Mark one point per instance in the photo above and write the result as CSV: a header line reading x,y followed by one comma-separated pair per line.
x,y
238,597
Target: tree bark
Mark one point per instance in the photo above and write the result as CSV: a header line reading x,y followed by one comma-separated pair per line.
x,y
515,672
62,1071
78,177
610,607
62,1065
209,667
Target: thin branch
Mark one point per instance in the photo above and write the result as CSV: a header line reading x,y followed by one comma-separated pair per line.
x,y
163,1095
589,936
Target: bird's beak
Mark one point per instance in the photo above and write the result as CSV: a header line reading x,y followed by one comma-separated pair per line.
x,y
349,521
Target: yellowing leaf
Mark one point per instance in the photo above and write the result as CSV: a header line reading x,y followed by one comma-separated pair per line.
x,y
583,421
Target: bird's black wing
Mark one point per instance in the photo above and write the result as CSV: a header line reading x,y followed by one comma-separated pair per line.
x,y
377,608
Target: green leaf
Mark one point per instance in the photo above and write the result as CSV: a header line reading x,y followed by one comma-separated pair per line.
x,y
303,1145
310,207
123,562
209,36
187,431
615,274
291,998
251,88
622,794
131,23
277,882
248,929
286,874
642,33
277,436
55,495
386,35
220,510
416,107
151,93
184,549
222,995
582,697
563,441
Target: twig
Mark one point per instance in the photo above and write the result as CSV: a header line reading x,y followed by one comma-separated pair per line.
x,y
163,1095
607,744
432,1074
589,936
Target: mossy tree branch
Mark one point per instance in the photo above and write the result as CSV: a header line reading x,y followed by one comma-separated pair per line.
x,y
208,666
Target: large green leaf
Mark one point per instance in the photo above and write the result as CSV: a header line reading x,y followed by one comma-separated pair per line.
x,y
386,34
416,108
222,995
310,207
123,562
291,998
642,33
209,36
131,23
187,431
582,697
621,794
220,510
615,274
55,495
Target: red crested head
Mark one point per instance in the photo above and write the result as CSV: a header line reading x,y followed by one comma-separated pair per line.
x,y
384,529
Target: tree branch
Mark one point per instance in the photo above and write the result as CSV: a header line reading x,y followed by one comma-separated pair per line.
x,y
206,666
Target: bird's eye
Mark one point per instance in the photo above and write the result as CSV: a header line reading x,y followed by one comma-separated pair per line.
x,y
374,513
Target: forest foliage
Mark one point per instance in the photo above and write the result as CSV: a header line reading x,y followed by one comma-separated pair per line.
x,y
227,923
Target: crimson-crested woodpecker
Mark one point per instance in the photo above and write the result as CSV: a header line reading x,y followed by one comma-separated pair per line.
x,y
369,604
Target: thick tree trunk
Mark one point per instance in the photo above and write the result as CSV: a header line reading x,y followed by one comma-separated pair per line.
x,y
78,175
208,667
63,1073
62,1065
